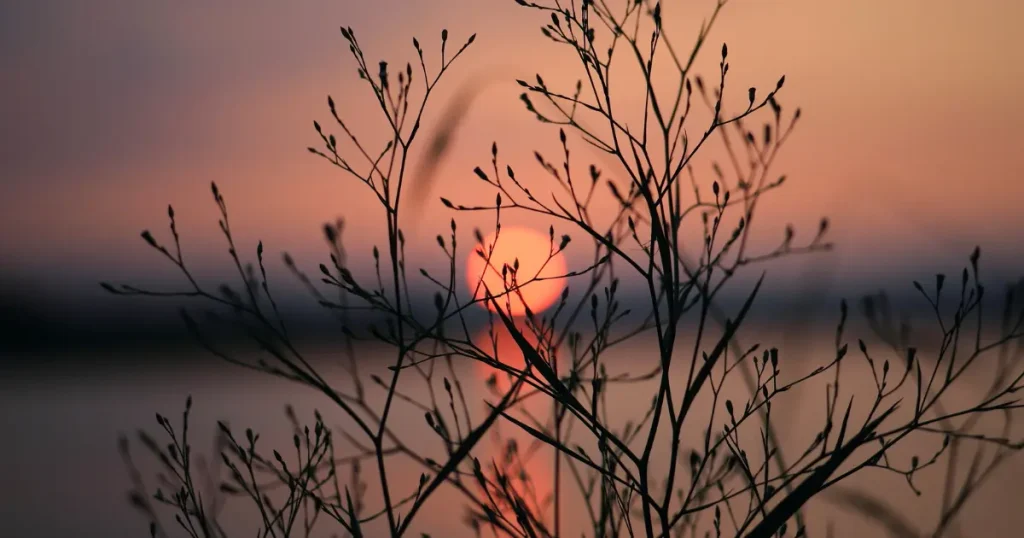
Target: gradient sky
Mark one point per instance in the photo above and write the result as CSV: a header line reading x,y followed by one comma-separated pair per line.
x,y
910,139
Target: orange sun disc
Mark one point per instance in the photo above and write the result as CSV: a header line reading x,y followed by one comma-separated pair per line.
x,y
534,284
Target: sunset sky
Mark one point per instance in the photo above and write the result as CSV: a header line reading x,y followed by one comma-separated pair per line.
x,y
911,142
910,138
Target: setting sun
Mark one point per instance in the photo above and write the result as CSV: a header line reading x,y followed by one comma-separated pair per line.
x,y
536,261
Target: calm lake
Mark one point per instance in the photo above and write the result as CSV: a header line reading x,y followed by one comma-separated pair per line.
x,y
62,474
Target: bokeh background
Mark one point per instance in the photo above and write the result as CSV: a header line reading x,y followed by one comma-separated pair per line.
x,y
910,142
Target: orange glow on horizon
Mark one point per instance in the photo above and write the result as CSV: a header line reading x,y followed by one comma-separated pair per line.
x,y
534,284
